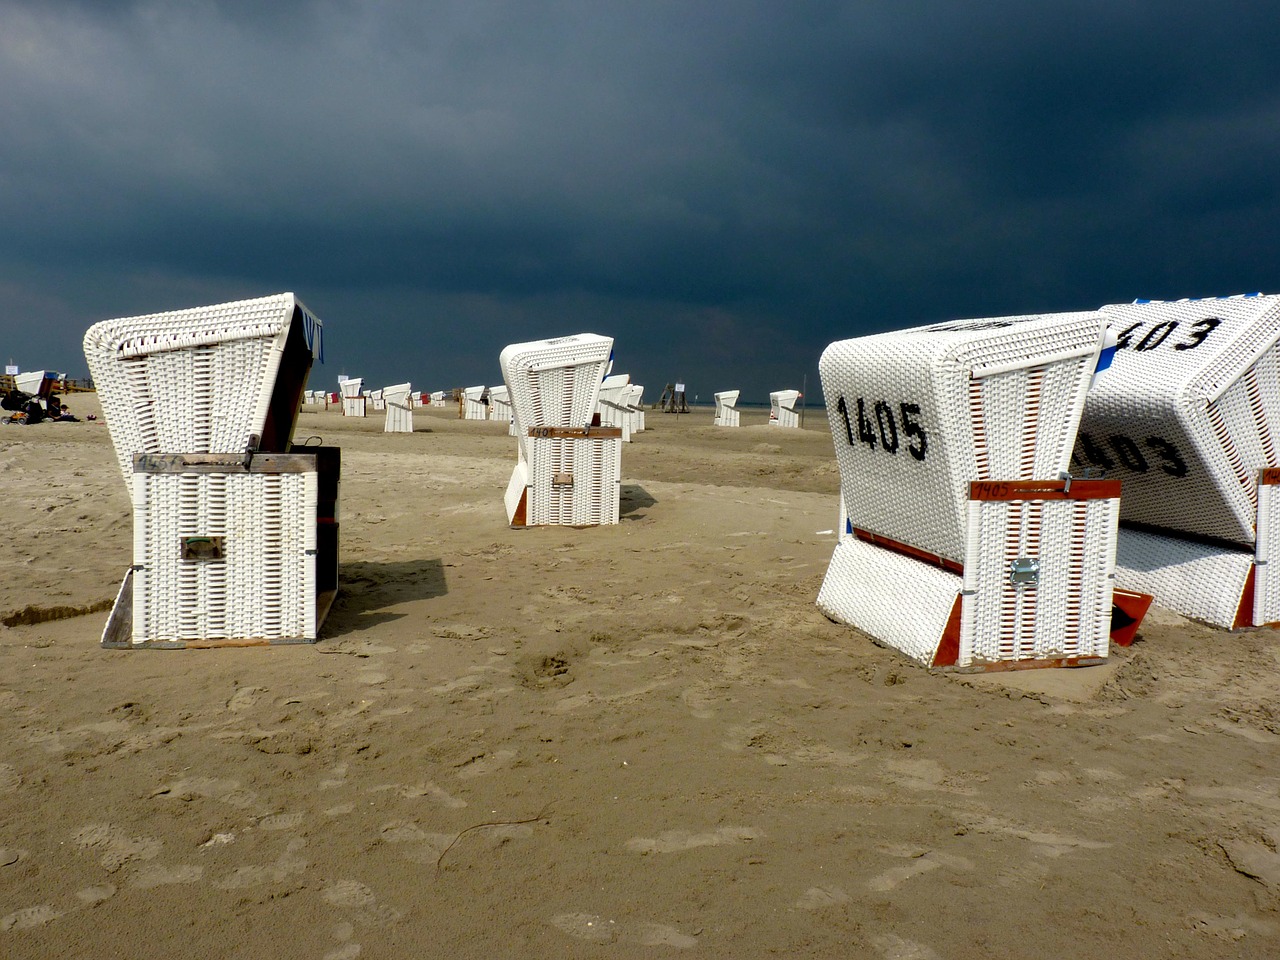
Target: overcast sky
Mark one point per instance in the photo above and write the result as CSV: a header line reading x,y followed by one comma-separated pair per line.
x,y
724,187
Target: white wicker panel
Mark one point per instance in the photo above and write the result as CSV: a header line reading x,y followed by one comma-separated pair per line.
x,y
1189,413
555,383
726,408
196,380
1067,613
901,602
635,402
782,412
1199,581
594,463
399,406
265,586
917,414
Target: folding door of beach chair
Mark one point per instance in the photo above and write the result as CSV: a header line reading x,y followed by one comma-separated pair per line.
x,y
782,411
1189,421
567,472
727,408
611,406
353,398
473,407
235,532
399,409
963,546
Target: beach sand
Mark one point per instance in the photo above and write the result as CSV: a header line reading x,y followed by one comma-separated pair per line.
x,y
640,740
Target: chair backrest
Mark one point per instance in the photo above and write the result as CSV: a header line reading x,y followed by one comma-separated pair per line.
x,y
918,414
217,379
351,387
1189,413
556,382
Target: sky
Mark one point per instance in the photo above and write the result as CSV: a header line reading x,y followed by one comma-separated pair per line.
x,y
725,187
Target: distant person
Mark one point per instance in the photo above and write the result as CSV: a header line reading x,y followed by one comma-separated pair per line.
x,y
66,415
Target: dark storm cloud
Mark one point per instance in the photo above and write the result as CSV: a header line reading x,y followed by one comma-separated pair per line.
x,y
727,186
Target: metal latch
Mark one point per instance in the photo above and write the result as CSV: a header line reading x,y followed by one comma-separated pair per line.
x,y
203,548
1024,570
562,480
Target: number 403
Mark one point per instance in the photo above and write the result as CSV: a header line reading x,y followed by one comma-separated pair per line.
x,y
879,429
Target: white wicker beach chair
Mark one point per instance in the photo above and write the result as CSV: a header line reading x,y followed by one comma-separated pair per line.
x,y
235,532
611,405
727,409
437,398
962,546
567,472
35,383
782,408
399,409
500,408
354,402
473,407
635,405
377,399
1189,421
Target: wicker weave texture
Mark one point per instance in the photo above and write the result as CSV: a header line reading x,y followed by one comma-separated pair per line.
x,y
556,382
1067,612
265,588
1189,412
197,380
917,414
1199,581
634,398
1266,588
574,480
901,602
727,414
782,411
397,401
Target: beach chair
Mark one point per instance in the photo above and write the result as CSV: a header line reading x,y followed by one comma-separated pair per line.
x,y
500,407
35,383
377,399
235,529
727,409
1189,420
399,409
473,407
782,408
437,398
611,407
567,471
633,398
965,542
354,401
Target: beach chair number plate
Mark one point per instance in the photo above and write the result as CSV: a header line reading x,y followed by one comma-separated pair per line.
x,y
562,480
202,548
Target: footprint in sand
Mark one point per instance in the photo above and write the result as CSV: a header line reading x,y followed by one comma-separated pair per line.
x,y
226,791
486,764
818,898
436,793
245,698
116,848
9,778
90,896
1254,859
348,951
893,947
355,895
673,841
287,865
281,821
919,861
29,917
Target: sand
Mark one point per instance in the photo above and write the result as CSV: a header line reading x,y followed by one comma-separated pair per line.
x,y
632,741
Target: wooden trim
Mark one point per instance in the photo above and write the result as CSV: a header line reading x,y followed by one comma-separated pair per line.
x,y
924,556
1268,477
224,463
948,651
1044,490
576,433
521,517
1008,666
1244,612
1133,606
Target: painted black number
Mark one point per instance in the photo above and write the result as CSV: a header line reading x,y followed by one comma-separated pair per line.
x,y
1156,335
913,429
865,433
1129,454
844,412
1094,453
888,438
1173,464
1200,330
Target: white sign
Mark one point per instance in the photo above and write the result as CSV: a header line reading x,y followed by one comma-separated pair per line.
x,y
11,369
679,388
